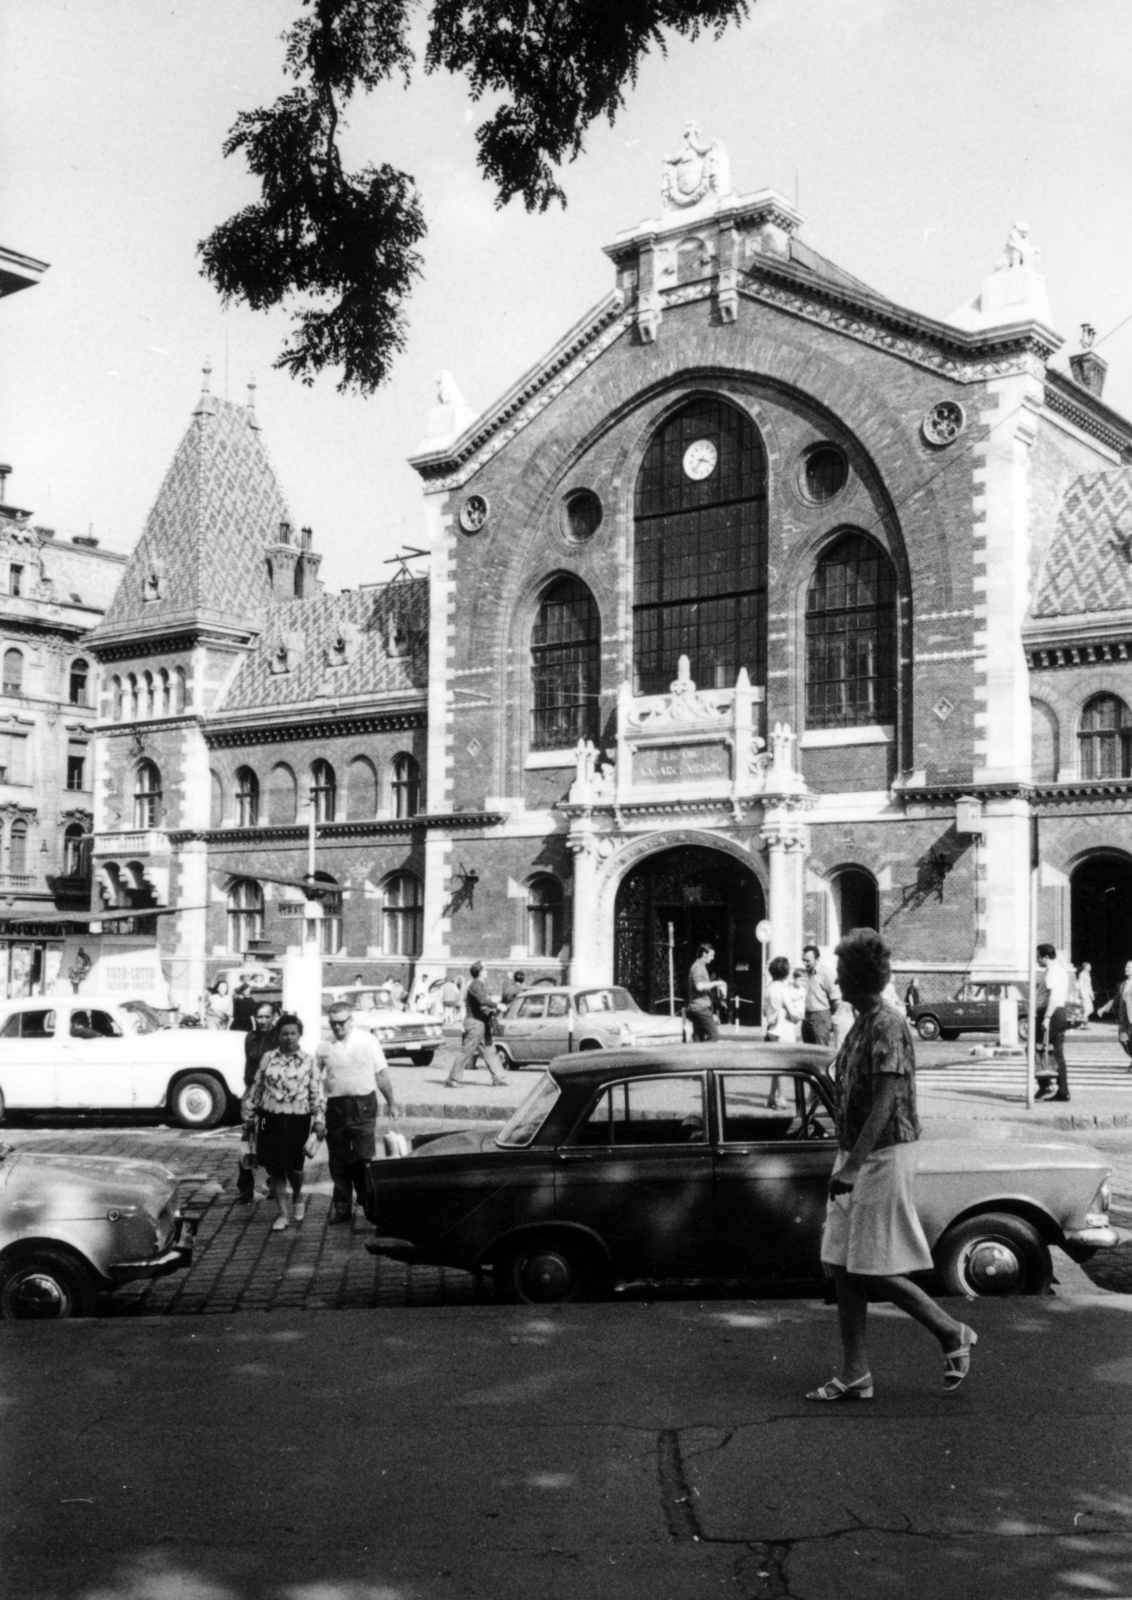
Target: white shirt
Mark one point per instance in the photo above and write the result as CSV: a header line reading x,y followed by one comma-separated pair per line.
x,y
1055,981
351,1065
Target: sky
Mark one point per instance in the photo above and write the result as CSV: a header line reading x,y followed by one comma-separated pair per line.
x,y
913,135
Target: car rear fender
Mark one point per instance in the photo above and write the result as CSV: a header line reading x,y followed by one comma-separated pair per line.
x,y
1029,1210
31,1245
543,1231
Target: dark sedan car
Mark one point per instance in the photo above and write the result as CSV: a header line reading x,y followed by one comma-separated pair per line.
x,y
697,1161
972,1009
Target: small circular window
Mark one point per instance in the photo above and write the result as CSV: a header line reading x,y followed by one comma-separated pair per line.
x,y
825,472
582,515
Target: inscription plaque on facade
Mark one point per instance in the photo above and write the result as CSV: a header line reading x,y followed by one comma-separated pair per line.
x,y
681,763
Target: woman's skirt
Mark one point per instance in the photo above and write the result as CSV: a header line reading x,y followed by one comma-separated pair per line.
x,y
875,1230
279,1143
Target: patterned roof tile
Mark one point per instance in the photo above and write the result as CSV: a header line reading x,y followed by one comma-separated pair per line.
x,y
1089,565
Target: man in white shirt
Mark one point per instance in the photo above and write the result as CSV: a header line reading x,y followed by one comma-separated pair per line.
x,y
1051,998
353,1070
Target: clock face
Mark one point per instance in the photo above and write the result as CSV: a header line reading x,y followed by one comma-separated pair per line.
x,y
700,458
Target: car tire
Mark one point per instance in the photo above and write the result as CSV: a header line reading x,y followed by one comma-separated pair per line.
x,y
949,1034
589,1044
994,1254
421,1058
198,1100
547,1272
46,1286
928,1027
1023,1028
509,1063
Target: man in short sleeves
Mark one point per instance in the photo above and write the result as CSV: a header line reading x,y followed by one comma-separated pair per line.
x,y
353,1069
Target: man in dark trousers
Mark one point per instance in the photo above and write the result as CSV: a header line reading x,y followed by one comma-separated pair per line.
x,y
256,1044
353,1071
1052,998
479,1008
701,987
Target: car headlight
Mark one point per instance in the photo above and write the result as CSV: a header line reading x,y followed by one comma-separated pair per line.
x,y
626,1034
1097,1215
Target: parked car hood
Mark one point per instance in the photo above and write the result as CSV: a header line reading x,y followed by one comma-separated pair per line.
x,y
82,1186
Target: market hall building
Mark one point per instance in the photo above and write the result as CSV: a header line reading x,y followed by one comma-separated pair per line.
x,y
761,597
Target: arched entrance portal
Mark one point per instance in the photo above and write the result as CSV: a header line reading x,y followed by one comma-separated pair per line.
x,y
854,902
1100,898
686,897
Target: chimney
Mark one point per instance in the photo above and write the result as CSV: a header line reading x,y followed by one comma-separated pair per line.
x,y
4,472
1087,367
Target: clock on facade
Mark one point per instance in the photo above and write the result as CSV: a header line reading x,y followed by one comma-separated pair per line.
x,y
700,458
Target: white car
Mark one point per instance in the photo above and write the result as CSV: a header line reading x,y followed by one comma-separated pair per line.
x,y
82,1053
546,1021
399,1033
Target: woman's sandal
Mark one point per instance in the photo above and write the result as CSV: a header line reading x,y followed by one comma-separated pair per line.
x,y
861,1389
957,1363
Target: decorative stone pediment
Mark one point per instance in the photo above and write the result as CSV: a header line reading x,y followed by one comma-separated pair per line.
x,y
343,646
287,651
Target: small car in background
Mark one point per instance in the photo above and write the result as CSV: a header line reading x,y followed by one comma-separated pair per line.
x,y
709,1161
411,1034
972,1009
555,1019
71,1226
83,1053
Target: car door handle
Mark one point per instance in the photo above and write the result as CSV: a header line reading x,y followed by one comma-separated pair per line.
x,y
575,1155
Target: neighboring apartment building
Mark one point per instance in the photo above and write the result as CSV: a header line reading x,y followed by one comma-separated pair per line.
x,y
761,598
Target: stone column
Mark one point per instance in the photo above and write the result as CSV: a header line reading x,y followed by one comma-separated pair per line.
x,y
584,953
784,837
186,979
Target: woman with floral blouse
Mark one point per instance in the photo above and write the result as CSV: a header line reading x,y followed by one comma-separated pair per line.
x,y
284,1106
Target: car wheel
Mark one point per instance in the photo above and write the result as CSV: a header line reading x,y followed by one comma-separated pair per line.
x,y
545,1272
950,1034
928,1027
589,1044
995,1254
46,1287
509,1064
1023,1028
197,1101
421,1058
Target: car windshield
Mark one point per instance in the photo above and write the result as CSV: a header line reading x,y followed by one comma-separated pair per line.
x,y
530,1116
595,1000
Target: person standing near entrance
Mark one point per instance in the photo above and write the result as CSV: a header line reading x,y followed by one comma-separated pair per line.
x,y
479,1009
702,987
1085,991
353,1070
1053,993
822,995
1121,1002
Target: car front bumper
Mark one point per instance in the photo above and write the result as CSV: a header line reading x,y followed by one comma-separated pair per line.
x,y
178,1255
1098,1237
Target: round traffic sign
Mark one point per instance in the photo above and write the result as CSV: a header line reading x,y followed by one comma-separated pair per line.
x,y
762,932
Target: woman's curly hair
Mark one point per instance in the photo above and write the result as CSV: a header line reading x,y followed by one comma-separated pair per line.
x,y
866,961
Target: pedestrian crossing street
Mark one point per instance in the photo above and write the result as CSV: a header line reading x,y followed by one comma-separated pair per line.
x,y
1009,1077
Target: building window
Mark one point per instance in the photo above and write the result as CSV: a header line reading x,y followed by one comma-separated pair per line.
x,y
1105,739
13,672
282,795
148,704
147,796
405,786
324,791
132,697
851,637
166,703
361,790
402,916
330,928
116,698
79,684
76,772
700,551
245,915
544,917
15,580
18,847
565,667
247,798
76,852
181,696
854,902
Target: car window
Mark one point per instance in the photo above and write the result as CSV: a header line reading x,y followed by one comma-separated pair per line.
x,y
758,1106
532,1005
646,1111
530,1116
104,1025
29,1025
558,1005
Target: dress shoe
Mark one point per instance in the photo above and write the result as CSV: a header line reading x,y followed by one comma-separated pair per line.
x,y
339,1216
1059,1097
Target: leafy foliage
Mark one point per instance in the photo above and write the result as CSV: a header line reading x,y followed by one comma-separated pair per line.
x,y
344,243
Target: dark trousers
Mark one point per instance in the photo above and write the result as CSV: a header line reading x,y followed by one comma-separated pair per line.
x,y
705,1024
351,1141
245,1182
1056,1050
817,1027
475,1042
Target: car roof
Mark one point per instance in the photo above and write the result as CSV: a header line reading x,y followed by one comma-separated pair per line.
x,y
724,1055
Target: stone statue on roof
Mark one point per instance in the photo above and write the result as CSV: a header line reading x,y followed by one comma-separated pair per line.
x,y
1021,251
696,170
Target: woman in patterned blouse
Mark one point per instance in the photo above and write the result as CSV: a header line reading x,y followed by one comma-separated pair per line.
x,y
873,1238
285,1104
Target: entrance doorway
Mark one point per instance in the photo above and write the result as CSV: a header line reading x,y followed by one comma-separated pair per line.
x,y
854,902
672,903
1100,900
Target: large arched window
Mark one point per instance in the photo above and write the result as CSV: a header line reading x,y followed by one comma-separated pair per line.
x,y
116,698
405,785
148,705
324,791
76,852
1105,740
282,795
247,798
245,915
18,847
165,705
77,688
132,696
854,902
147,795
402,916
544,916
700,552
565,667
361,790
13,676
851,637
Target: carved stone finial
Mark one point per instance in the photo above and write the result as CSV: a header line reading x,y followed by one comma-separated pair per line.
x,y
1088,335
1020,250
695,171
251,392
683,684
207,370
